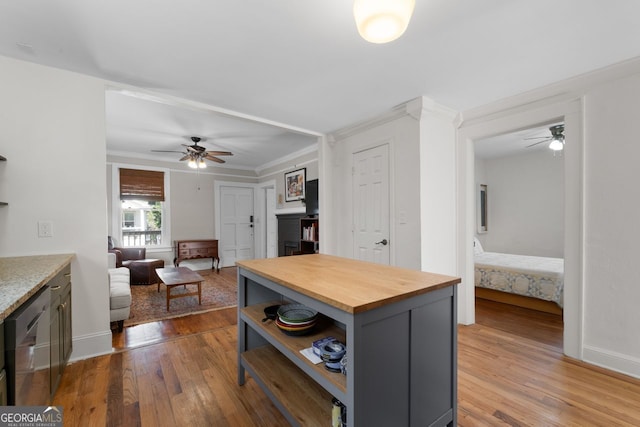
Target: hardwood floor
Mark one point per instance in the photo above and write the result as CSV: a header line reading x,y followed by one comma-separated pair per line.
x,y
511,371
174,372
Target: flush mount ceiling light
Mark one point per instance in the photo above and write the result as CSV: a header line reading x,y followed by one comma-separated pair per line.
x,y
382,21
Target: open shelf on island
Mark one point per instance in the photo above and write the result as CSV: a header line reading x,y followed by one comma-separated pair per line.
x,y
306,402
255,313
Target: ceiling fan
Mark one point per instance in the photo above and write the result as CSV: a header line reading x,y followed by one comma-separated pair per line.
x,y
196,154
556,138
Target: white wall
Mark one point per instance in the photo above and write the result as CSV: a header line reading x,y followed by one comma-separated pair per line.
x,y
402,135
525,204
421,137
437,187
612,233
52,133
276,173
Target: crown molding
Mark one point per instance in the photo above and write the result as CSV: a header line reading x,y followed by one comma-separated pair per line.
x,y
416,108
422,106
287,158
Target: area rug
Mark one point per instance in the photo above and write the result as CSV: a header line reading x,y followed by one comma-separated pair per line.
x,y
219,290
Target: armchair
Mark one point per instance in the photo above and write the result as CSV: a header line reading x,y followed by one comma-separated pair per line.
x,y
128,255
143,270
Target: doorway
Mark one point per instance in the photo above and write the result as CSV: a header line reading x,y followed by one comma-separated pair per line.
x,y
504,121
518,239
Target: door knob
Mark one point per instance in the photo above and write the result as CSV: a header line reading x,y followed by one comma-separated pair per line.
x,y
383,242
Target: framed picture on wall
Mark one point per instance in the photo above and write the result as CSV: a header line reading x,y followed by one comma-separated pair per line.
x,y
294,185
482,209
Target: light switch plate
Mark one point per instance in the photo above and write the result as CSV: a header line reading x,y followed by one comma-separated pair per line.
x,y
45,229
402,217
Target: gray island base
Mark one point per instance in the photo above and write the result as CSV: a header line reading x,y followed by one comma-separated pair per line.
x,y
399,327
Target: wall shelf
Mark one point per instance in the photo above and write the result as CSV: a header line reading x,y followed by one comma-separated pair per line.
x,y
309,232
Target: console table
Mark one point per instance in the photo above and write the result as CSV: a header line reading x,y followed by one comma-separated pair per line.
x,y
197,249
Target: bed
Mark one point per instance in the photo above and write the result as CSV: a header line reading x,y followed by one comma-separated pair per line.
x,y
540,278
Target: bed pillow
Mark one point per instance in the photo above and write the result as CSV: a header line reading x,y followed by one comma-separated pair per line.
x,y
477,247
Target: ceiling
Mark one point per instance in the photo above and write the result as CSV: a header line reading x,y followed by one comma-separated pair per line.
x,y
301,63
137,125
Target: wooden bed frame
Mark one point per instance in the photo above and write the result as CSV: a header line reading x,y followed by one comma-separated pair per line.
x,y
519,300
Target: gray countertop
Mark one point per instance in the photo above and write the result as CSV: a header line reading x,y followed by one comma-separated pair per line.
x,y
21,277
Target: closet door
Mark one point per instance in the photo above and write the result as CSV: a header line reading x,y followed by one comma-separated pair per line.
x,y
371,204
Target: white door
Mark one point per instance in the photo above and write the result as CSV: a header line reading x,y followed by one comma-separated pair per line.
x,y
371,204
272,223
236,224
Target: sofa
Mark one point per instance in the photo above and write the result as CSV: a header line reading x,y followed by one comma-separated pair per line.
x,y
119,293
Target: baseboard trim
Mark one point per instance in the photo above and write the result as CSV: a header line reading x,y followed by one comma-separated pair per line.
x,y
607,359
87,346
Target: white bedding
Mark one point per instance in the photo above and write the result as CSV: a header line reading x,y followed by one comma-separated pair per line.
x,y
538,277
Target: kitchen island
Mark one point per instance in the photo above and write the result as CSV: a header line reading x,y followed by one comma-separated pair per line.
x,y
399,327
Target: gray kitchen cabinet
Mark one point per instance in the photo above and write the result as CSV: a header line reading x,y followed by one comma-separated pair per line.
x,y
61,337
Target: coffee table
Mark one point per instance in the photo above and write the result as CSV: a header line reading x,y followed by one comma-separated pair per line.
x,y
180,276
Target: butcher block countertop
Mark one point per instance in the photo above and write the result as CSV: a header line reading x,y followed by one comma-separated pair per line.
x,y
22,277
349,285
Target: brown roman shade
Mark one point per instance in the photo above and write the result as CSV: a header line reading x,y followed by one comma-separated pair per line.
x,y
141,185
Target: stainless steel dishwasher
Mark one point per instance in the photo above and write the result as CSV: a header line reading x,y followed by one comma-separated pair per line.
x,y
27,349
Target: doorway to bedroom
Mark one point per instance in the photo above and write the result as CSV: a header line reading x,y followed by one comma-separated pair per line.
x,y
519,232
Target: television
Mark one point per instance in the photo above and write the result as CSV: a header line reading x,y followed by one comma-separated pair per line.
x,y
311,197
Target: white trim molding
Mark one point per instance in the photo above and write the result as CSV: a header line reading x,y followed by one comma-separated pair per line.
x,y
501,121
611,360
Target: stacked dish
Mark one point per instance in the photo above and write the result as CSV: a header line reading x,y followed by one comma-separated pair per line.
x,y
296,319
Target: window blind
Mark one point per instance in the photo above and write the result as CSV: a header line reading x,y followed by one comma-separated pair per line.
x,y
141,185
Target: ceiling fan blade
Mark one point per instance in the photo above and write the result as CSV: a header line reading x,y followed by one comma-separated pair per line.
x,y
167,151
537,137
220,153
536,143
213,159
186,157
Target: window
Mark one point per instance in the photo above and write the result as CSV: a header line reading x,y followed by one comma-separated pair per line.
x,y
142,212
128,219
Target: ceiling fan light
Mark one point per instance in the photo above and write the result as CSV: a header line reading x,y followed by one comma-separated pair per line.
x,y
556,145
192,164
202,164
382,21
